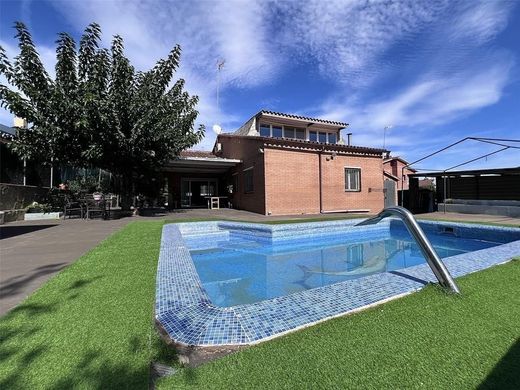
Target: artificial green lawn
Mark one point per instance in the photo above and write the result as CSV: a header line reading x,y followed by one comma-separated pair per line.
x,y
91,327
427,340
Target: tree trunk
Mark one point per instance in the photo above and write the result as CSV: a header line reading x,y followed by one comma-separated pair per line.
x,y
127,191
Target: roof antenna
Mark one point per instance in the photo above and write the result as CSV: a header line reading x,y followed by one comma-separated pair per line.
x,y
220,64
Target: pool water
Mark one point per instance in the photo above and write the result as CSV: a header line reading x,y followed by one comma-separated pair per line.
x,y
241,271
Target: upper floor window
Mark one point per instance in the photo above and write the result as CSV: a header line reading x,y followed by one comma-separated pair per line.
x,y
265,130
288,132
352,179
277,131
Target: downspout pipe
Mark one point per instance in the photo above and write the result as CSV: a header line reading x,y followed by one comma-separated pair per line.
x,y
319,179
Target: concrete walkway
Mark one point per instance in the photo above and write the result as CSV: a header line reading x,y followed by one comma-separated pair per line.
x,y
458,217
32,252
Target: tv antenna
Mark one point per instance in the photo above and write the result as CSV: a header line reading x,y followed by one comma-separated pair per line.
x,y
220,65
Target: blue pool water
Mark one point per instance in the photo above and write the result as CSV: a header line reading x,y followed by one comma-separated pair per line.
x,y
241,271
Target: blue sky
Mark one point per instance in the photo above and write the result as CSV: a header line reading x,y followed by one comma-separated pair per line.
x,y
436,71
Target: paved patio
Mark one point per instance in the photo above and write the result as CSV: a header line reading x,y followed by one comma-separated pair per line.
x,y
32,252
458,217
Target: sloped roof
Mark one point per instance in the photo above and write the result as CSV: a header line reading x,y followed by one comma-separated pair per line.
x,y
300,117
197,153
7,133
7,129
307,145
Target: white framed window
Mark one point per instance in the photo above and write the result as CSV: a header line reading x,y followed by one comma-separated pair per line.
x,y
352,179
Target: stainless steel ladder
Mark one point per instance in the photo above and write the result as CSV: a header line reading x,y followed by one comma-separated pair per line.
x,y
439,269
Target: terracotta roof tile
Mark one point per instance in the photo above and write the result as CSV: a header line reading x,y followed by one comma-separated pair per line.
x,y
197,153
305,118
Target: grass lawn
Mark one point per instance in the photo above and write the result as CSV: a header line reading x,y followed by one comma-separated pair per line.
x,y
91,327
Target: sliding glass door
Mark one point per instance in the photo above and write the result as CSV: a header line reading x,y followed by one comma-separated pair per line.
x,y
194,192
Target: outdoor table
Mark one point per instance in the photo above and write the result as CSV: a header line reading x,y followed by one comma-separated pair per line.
x,y
214,201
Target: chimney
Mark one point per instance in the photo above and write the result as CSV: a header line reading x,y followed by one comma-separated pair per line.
x,y
349,139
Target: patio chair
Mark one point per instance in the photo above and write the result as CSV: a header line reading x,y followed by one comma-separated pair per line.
x,y
72,207
93,207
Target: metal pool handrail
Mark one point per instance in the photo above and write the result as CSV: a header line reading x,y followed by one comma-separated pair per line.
x,y
439,269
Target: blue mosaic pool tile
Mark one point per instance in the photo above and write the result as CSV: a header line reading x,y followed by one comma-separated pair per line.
x,y
188,315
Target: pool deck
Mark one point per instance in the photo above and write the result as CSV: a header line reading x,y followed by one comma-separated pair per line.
x,y
31,252
480,218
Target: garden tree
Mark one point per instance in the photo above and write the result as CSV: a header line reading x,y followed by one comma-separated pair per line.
x,y
98,111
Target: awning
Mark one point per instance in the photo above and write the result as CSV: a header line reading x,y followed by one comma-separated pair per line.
x,y
200,165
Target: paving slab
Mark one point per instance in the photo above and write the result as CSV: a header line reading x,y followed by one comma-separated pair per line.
x,y
32,252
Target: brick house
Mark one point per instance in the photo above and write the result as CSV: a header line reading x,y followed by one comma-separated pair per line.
x,y
278,164
393,167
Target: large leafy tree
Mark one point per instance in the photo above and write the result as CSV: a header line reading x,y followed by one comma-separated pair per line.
x,y
98,111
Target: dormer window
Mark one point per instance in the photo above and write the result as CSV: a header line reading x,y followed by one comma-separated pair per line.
x,y
265,130
290,132
277,131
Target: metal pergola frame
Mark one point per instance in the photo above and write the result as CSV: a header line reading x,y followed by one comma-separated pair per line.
x,y
493,141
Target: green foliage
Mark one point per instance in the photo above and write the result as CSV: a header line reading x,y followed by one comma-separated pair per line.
x,y
98,111
84,184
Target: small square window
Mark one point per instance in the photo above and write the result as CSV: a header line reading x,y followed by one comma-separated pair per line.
x,y
322,137
313,136
332,138
352,179
300,134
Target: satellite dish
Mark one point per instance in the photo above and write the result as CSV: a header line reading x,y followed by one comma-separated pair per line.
x,y
217,129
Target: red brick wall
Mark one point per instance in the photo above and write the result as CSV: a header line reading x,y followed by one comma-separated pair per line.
x,y
246,150
292,183
394,167
334,196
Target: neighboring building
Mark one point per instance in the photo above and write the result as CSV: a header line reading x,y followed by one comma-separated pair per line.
x,y
393,167
278,164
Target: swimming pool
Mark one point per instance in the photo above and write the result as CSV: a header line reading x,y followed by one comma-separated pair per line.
x,y
242,271
223,283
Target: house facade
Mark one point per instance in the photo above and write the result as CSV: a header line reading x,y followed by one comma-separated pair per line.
x,y
280,164
393,167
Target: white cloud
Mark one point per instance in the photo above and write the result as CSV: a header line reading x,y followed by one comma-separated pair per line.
x,y
348,38
356,46
480,21
207,32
